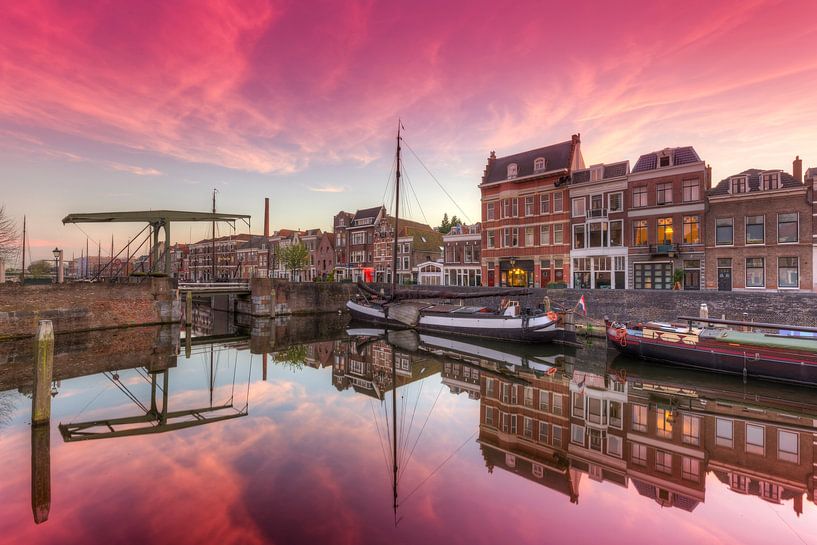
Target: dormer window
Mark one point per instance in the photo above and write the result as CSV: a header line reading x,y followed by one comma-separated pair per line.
x,y
771,180
512,171
737,185
539,164
663,161
596,173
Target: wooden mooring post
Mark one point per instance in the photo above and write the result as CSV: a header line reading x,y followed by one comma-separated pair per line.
x,y
43,373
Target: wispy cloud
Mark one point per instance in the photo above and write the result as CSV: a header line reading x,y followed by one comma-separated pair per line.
x,y
328,189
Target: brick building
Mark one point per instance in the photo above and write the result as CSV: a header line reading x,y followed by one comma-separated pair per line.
x,y
665,219
360,242
201,258
416,243
462,248
341,222
325,256
598,250
759,232
252,257
525,215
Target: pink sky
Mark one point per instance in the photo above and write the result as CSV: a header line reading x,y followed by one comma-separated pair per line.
x,y
137,105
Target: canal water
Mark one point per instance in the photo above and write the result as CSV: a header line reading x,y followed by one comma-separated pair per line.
x,y
304,431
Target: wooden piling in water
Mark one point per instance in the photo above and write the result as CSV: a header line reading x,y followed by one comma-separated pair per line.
x,y
40,472
43,372
188,308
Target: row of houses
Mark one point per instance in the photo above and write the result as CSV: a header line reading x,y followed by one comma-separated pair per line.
x,y
549,220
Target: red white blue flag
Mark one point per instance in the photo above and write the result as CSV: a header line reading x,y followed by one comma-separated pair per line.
x,y
581,306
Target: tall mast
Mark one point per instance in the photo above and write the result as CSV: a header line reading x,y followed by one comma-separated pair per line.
x,y
394,422
213,278
23,268
396,215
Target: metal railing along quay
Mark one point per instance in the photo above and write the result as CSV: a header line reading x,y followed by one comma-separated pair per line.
x,y
215,287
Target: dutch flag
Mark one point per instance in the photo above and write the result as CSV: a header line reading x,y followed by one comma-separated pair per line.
x,y
581,306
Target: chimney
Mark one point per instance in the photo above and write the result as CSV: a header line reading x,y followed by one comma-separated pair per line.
x,y
576,161
708,177
266,217
797,169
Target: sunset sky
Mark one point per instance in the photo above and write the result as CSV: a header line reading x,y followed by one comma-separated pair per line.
x,y
139,105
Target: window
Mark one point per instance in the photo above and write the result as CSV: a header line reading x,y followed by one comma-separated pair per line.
x,y
690,468
638,452
558,202
558,234
489,211
577,434
738,184
723,432
664,161
664,230
358,238
755,231
489,416
723,232
529,236
787,227
755,439
663,461
651,276
595,439
578,235
544,235
579,206
692,229
596,411
578,405
639,418
663,423
512,170
491,239
788,446
529,205
691,430
544,203
755,277
598,235
544,398
788,272
640,233
617,233
557,404
539,164
489,387
596,202
771,180
528,396
528,429
639,196
543,432
614,202
556,436
614,445
616,409
663,193
692,190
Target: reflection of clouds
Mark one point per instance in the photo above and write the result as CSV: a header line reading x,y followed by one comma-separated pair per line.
x,y
7,406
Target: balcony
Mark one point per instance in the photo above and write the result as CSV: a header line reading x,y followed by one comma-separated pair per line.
x,y
664,249
597,213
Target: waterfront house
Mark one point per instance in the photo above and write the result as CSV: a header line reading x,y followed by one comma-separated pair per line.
x,y
341,222
462,248
598,251
201,258
360,239
324,258
665,219
759,232
416,243
525,215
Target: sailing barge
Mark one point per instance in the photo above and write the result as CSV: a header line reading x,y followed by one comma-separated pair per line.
x,y
778,352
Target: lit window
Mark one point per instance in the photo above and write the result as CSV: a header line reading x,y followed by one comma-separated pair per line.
x,y
692,229
663,423
640,233
665,230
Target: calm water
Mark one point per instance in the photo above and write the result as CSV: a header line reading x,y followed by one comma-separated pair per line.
x,y
231,446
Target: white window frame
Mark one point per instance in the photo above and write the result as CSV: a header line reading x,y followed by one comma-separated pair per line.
x,y
797,287
620,202
513,171
558,197
797,232
582,212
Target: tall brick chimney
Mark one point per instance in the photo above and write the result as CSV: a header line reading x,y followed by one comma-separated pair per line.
x,y
797,169
708,177
266,217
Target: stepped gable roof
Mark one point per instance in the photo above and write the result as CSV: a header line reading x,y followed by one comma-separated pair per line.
x,y
557,156
753,183
680,156
613,170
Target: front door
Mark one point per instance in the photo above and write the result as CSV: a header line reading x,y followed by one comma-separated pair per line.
x,y
724,279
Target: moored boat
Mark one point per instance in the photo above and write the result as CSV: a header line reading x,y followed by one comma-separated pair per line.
x,y
774,353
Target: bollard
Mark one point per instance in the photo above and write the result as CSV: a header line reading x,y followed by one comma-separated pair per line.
x,y
188,308
188,341
43,372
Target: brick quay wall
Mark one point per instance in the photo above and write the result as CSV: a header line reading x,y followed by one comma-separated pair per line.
x,y
87,306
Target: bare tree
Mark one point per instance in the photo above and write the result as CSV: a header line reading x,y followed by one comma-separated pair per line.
x,y
9,238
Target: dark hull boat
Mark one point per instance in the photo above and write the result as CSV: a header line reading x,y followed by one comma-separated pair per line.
x,y
776,355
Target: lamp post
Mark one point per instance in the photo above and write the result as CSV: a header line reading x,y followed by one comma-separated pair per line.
x,y
56,253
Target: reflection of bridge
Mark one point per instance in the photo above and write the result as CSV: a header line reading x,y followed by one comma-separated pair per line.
x,y
215,288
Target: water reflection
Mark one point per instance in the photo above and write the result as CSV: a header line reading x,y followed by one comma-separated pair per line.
x,y
564,426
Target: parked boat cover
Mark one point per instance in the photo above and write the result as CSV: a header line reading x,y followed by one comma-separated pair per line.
x,y
783,342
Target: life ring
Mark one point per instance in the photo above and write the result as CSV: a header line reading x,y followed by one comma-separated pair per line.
x,y
621,336
552,371
552,315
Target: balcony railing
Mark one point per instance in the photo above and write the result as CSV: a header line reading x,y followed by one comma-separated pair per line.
x,y
597,213
664,249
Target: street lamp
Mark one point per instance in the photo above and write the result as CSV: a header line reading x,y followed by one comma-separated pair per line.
x,y
56,253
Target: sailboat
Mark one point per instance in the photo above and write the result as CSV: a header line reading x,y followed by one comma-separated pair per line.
x,y
510,322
